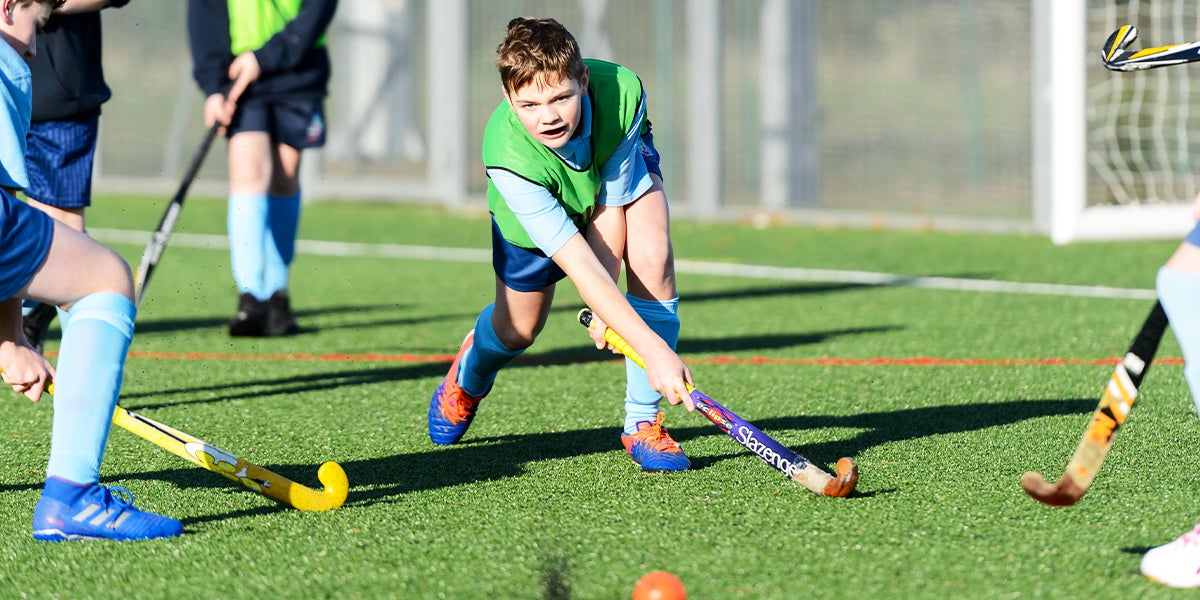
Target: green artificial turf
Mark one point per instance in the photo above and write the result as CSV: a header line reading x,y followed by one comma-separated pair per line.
x,y
540,501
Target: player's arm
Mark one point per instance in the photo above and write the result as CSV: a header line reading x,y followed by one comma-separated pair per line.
x,y
26,371
287,48
71,7
664,369
208,38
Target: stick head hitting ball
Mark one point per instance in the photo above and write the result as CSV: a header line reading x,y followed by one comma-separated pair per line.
x,y
659,585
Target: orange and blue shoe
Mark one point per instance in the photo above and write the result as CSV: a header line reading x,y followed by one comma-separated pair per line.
x,y
99,513
653,449
451,409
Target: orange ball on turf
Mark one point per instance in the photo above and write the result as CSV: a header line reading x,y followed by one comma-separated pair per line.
x,y
659,585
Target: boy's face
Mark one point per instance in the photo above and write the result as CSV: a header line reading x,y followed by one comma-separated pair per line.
x,y
550,112
20,23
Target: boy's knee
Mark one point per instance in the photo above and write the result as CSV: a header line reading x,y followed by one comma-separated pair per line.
x,y
515,339
112,274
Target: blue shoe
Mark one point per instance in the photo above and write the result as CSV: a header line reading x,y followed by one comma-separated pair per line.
x,y
653,449
452,409
100,513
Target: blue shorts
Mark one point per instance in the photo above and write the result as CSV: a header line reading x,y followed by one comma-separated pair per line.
x,y
1193,238
650,153
59,160
297,122
25,236
520,268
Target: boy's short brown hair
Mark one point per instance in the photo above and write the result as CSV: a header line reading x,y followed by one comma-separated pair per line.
x,y
538,50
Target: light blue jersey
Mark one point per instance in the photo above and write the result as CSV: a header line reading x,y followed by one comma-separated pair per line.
x,y
16,87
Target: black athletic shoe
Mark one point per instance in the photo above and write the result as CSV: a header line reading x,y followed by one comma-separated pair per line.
x,y
251,317
280,320
37,323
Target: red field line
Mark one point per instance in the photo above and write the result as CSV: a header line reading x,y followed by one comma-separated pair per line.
x,y
913,361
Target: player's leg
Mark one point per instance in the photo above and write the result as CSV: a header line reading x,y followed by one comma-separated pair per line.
x,y
503,330
1178,286
250,166
59,157
650,281
1177,564
283,224
295,125
93,284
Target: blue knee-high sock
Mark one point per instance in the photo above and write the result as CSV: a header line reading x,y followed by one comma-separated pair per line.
x,y
641,401
283,221
90,366
248,241
1179,292
479,367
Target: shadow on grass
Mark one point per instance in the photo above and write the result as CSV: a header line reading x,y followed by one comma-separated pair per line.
x,y
287,385
500,457
376,374
355,316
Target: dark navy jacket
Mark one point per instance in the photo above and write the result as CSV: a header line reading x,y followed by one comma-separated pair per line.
x,y
68,80
292,65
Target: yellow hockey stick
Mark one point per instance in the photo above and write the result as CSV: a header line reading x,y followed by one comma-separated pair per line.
x,y
265,482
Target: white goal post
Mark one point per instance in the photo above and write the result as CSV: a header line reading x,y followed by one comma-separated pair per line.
x,y
1113,153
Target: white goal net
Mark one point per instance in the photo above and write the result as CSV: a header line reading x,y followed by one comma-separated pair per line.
x,y
1143,128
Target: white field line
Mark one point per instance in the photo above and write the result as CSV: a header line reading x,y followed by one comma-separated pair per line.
x,y
473,255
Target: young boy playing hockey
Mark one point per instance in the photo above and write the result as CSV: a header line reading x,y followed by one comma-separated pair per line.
x,y
45,260
574,188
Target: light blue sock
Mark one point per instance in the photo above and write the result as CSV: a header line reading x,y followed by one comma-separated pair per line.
x,y
1179,292
283,221
91,363
247,242
479,367
641,401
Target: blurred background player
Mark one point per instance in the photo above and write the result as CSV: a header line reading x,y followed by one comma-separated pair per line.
x,y
68,89
279,47
43,259
569,153
1177,564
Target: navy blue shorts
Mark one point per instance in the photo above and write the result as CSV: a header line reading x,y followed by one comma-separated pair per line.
x,y
25,236
298,122
522,269
59,160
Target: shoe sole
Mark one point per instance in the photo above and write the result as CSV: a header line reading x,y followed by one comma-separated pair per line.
x,y
57,535
1165,584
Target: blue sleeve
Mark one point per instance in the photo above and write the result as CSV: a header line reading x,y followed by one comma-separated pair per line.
x,y
208,38
544,219
624,175
16,95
